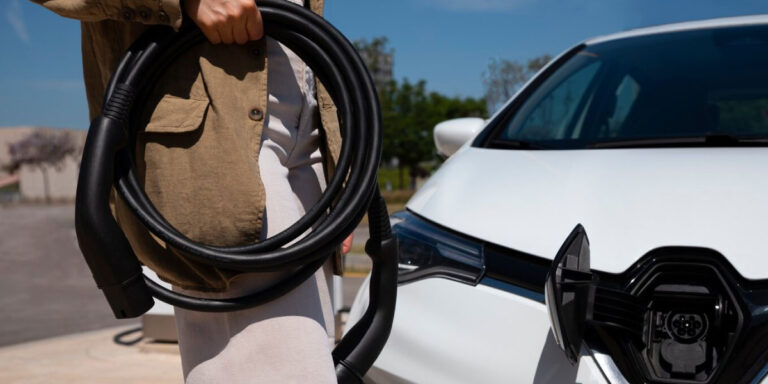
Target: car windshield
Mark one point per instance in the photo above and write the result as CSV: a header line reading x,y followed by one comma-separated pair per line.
x,y
700,87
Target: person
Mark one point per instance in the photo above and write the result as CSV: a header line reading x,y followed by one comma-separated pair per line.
x,y
239,140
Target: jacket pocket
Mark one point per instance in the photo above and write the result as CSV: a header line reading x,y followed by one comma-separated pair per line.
x,y
174,114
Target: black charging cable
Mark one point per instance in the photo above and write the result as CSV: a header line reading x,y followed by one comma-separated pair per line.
x,y
108,161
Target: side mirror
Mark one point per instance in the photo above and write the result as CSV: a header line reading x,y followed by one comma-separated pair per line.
x,y
450,135
567,292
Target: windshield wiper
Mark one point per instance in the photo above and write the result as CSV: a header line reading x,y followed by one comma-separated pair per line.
x,y
688,141
515,144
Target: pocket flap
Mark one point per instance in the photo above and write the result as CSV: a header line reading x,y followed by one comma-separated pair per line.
x,y
176,114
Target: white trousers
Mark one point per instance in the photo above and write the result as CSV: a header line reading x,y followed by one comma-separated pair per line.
x,y
290,339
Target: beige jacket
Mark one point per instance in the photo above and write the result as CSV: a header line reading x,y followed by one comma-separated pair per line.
x,y
198,155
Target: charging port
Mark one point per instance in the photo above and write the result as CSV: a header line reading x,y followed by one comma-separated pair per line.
x,y
691,321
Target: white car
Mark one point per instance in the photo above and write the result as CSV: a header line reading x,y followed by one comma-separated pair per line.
x,y
656,142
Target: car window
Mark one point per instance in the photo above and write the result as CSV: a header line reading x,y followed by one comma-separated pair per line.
x,y
625,96
550,117
743,115
649,89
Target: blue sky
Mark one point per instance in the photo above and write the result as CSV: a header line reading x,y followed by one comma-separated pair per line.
x,y
448,43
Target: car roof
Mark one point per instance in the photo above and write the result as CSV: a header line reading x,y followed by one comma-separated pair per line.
x,y
685,26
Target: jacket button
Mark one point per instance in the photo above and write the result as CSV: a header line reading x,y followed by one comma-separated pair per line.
x,y
144,13
127,14
256,114
163,17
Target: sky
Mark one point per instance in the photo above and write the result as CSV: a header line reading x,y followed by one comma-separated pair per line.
x,y
448,43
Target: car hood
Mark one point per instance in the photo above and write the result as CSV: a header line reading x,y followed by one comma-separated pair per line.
x,y
629,200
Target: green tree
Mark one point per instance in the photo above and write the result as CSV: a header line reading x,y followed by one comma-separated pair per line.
x,y
504,77
378,57
409,111
409,114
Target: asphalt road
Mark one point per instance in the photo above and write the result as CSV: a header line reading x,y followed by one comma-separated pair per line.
x,y
46,289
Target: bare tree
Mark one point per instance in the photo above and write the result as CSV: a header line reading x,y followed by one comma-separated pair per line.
x,y
379,58
43,149
504,77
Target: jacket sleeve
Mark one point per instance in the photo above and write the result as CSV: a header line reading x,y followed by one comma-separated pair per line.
x,y
166,12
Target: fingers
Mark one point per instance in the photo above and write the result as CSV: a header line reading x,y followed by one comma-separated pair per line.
x,y
226,21
254,24
239,31
213,36
228,15
346,246
226,33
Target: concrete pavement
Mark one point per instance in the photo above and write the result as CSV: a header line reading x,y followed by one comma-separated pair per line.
x,y
95,358
89,358
47,289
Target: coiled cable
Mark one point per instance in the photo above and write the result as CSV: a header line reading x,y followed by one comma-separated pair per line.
x,y
344,74
108,160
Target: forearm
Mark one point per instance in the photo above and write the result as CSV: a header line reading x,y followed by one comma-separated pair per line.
x,y
166,12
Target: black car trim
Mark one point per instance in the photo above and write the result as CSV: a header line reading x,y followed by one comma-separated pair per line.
x,y
513,289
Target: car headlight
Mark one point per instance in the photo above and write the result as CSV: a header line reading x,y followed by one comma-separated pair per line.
x,y
427,250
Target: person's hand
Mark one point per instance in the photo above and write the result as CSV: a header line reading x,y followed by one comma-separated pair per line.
x,y
346,246
226,21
